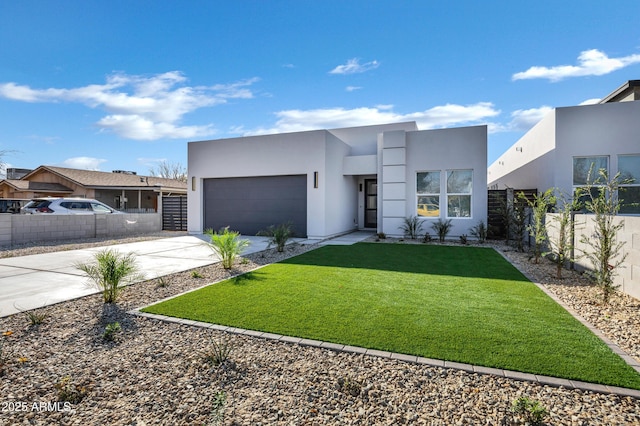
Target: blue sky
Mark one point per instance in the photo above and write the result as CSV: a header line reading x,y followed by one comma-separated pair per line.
x,y
107,85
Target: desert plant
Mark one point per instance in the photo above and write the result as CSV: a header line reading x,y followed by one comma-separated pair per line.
x,y
218,352
464,239
382,235
35,317
561,244
411,227
196,274
226,244
539,207
427,238
278,235
162,283
531,410
606,254
68,391
349,386
442,228
110,331
519,220
479,232
111,271
217,408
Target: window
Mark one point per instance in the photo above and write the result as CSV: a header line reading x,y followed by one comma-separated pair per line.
x,y
428,189
459,188
581,177
629,193
582,166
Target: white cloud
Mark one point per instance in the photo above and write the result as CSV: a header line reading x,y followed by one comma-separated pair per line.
x,y
352,88
353,66
329,118
141,107
85,163
590,101
590,62
524,119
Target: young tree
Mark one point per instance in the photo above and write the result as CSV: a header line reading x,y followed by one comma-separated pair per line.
x,y
168,170
561,244
539,207
519,220
606,254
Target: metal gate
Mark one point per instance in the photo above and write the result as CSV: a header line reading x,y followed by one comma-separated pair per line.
x,y
174,213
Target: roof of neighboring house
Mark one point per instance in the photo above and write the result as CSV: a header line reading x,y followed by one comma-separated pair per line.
x,y
95,179
25,185
629,87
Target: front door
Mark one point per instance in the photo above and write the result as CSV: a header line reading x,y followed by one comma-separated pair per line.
x,y
370,203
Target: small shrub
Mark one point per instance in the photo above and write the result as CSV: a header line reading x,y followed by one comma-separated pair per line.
x,y
382,235
463,239
411,227
218,352
68,391
278,235
427,238
217,408
162,283
479,232
349,386
196,274
110,331
442,228
36,318
537,229
244,261
110,272
532,411
226,244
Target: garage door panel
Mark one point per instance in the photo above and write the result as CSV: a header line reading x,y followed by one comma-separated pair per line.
x,y
251,204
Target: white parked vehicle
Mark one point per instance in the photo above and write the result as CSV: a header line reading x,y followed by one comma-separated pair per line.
x,y
67,206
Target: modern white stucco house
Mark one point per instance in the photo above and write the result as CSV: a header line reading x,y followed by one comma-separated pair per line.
x,y
329,182
559,150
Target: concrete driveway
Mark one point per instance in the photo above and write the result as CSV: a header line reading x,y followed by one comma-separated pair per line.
x,y
29,282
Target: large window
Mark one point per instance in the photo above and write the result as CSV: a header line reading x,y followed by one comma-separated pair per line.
x,y
629,191
428,193
586,171
459,189
583,165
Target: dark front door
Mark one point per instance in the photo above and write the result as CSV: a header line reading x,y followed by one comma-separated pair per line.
x,y
370,203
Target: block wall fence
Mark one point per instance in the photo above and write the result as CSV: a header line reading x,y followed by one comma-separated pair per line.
x,y
628,276
21,229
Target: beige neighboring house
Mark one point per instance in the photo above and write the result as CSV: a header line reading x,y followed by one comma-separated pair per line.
x,y
118,189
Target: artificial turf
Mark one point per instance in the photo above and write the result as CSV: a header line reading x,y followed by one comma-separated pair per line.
x,y
463,304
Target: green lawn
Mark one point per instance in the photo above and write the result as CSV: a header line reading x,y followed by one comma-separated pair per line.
x,y
464,304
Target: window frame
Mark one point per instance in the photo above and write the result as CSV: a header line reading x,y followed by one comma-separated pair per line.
x,y
437,195
459,194
575,187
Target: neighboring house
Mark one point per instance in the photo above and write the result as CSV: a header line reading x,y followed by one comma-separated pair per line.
x,y
120,190
328,182
559,151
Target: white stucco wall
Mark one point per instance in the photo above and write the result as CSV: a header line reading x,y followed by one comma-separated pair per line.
x,y
548,149
604,129
269,155
460,148
341,191
529,163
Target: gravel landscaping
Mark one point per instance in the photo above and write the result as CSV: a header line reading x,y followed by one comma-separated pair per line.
x,y
155,373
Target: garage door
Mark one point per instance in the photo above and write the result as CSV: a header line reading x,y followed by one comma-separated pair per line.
x,y
251,204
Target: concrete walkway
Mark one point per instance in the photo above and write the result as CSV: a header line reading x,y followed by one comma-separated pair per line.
x,y
38,280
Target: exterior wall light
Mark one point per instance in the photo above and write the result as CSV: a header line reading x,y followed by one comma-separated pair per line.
x,y
315,179
193,183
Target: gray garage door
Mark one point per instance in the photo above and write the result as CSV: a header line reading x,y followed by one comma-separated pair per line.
x,y
251,204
